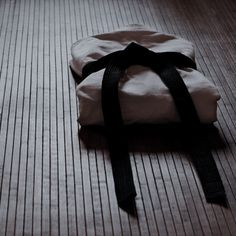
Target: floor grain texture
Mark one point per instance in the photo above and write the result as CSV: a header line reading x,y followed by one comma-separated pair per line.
x,y
51,182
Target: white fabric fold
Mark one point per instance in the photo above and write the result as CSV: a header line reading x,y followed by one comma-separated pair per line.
x,y
143,96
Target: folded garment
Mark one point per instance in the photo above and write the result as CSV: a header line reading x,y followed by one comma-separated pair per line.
x,y
139,66
144,98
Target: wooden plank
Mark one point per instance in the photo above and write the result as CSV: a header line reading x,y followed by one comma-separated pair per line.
x,y
161,191
15,145
22,129
60,116
8,124
103,192
65,45
186,220
35,148
53,142
190,203
77,153
116,219
144,194
96,198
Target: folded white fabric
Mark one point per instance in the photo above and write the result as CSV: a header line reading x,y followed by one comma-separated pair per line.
x,y
143,96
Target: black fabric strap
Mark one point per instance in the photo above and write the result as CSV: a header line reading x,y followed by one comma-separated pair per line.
x,y
205,164
164,64
116,138
195,137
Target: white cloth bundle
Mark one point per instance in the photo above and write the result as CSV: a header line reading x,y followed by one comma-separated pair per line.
x,y
143,96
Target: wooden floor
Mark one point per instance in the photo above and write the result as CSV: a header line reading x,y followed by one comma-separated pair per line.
x,y
51,182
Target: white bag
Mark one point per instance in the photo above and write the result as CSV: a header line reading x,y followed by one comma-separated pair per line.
x,y
143,96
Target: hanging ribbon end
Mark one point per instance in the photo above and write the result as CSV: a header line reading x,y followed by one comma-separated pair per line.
x,y
218,198
128,203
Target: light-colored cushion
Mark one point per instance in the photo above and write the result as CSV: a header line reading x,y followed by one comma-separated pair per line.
x,y
143,96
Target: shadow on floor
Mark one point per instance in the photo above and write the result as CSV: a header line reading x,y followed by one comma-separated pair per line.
x,y
150,138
